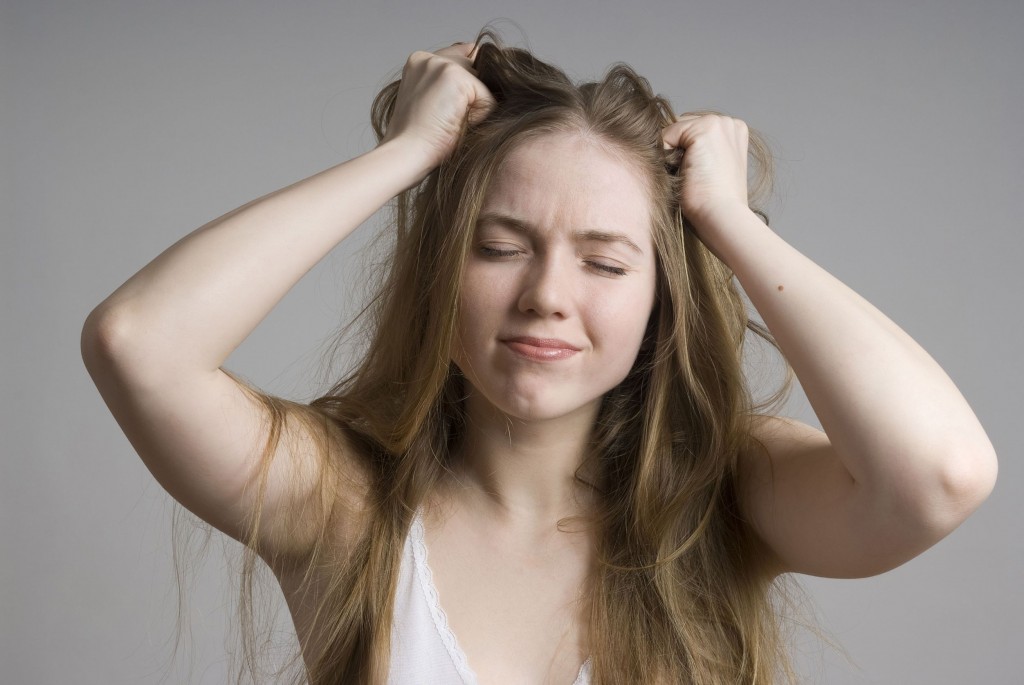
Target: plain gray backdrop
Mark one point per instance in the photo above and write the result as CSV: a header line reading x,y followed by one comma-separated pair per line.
x,y
127,124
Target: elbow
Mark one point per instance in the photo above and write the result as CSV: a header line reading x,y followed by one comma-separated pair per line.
x,y
962,482
968,479
101,335
95,338
930,505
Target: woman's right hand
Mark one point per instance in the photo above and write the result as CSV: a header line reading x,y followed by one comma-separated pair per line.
x,y
437,92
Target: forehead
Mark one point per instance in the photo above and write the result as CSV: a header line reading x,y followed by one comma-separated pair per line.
x,y
567,180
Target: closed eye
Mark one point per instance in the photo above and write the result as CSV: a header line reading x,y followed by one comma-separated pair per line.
x,y
495,252
608,268
600,267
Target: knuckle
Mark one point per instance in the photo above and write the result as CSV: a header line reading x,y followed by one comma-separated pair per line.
x,y
450,70
414,61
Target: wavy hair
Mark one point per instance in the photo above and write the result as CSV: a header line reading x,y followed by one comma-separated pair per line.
x,y
680,591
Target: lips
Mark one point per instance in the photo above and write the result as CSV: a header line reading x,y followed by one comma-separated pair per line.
x,y
541,349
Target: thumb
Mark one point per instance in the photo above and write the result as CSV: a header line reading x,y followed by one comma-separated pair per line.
x,y
483,102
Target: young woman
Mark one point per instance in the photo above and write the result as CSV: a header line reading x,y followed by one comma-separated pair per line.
x,y
550,434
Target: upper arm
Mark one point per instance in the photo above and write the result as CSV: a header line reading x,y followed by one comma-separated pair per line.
x,y
201,435
811,514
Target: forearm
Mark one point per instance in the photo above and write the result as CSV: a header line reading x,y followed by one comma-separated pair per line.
x,y
198,300
893,416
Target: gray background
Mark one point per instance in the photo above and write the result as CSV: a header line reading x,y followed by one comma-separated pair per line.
x,y
127,124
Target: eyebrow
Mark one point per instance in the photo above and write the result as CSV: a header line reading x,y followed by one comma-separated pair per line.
x,y
584,235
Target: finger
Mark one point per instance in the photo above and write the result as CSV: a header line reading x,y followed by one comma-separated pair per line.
x,y
674,135
460,53
483,102
681,132
464,50
463,62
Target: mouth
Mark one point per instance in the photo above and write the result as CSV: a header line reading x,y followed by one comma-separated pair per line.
x,y
541,349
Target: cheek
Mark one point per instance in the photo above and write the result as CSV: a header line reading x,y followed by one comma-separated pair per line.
x,y
629,328
486,293
623,317
480,311
621,335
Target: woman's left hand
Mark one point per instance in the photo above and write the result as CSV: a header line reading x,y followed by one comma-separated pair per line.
x,y
713,166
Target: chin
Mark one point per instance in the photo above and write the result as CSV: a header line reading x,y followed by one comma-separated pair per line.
x,y
527,398
544,408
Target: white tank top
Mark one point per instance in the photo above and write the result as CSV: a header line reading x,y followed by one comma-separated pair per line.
x,y
424,650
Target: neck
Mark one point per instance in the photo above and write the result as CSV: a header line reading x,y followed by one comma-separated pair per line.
x,y
522,472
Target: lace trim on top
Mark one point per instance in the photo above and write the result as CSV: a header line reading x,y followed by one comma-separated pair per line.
x,y
419,550
426,578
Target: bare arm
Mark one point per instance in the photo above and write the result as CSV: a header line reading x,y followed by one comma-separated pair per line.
x,y
903,459
195,303
155,346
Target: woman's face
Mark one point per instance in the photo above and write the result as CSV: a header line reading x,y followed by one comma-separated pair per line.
x,y
560,280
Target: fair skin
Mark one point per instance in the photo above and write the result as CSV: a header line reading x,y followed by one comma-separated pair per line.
x,y
565,258
902,460
556,293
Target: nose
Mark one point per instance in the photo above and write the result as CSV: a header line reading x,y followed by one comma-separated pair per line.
x,y
546,288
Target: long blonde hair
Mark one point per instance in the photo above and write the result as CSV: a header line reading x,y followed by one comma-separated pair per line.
x,y
680,593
